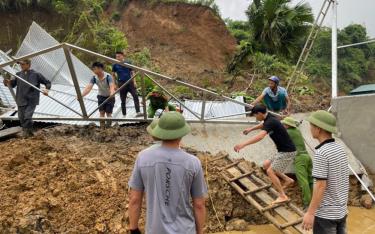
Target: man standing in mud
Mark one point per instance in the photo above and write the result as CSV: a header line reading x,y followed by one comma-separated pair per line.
x,y
170,178
27,98
328,208
106,88
275,166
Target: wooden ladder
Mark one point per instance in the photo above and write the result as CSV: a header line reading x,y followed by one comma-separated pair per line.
x,y
287,217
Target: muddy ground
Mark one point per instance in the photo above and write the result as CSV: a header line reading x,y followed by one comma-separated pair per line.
x,y
70,179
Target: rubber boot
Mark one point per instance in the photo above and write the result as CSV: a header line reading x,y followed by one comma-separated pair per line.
x,y
108,124
102,124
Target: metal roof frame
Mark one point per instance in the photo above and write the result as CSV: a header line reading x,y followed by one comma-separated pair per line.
x,y
153,76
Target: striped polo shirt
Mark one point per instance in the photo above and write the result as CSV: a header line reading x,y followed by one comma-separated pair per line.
x,y
331,163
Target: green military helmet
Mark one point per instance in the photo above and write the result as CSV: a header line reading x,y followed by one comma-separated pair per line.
x,y
289,121
171,126
324,120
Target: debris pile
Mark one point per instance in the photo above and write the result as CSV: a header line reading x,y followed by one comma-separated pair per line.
x,y
74,179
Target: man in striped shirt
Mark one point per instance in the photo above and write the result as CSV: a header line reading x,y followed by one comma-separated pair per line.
x,y
328,208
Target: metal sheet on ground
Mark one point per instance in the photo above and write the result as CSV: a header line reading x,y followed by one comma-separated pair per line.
x,y
9,132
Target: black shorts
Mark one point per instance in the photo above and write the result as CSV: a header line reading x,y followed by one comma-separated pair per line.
x,y
108,106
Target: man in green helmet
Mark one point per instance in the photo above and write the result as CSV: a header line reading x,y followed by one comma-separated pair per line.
x,y
328,207
158,101
302,161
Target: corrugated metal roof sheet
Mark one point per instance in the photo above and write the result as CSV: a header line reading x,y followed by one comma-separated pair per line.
x,y
52,65
215,109
363,89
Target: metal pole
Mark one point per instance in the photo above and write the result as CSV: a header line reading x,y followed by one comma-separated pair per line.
x,y
128,120
203,111
356,44
34,87
362,183
174,97
143,87
111,96
232,115
75,81
44,51
334,49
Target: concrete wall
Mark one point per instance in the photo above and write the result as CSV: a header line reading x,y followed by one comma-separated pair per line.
x,y
214,138
356,121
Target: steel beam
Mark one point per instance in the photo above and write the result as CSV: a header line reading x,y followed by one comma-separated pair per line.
x,y
143,86
226,116
31,55
73,74
14,118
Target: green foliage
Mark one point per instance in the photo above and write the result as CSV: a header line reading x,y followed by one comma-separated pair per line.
x,y
353,62
142,58
267,65
239,29
116,16
278,27
248,98
184,92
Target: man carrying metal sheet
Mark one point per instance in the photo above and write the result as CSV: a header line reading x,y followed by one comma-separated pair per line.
x,y
106,88
27,97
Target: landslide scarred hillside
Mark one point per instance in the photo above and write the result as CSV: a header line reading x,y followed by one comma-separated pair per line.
x,y
186,41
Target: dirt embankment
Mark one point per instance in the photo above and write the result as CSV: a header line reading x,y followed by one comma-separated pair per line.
x,y
186,41
74,180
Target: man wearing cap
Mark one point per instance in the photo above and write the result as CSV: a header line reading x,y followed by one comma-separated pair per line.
x,y
106,88
328,208
274,96
170,178
275,166
27,98
302,162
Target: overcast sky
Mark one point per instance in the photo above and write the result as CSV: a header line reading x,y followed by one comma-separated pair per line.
x,y
349,11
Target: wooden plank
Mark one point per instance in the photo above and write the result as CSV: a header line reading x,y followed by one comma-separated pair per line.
x,y
253,202
218,158
241,176
274,192
264,187
273,206
232,164
292,223
266,198
9,132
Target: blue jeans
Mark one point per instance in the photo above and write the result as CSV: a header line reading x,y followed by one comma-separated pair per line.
x,y
329,226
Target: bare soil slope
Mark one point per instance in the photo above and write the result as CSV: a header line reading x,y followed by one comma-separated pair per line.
x,y
186,41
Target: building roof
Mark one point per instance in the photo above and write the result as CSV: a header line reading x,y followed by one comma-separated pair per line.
x,y
363,89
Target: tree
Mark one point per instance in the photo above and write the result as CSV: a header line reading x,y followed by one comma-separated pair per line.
x,y
279,28
353,62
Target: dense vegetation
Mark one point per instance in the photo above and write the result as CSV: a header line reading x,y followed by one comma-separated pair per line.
x,y
273,37
269,42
